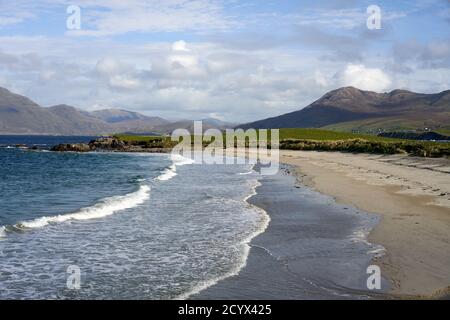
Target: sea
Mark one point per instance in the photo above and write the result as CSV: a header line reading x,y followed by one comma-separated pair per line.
x,y
106,225
117,225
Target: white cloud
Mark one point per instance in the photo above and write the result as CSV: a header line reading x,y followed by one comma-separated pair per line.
x,y
123,82
210,79
348,18
102,18
359,76
180,46
109,66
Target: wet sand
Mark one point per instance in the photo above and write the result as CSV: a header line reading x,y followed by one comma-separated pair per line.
x,y
313,248
413,197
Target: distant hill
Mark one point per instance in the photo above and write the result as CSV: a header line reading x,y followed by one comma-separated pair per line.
x,y
208,123
351,109
124,121
20,115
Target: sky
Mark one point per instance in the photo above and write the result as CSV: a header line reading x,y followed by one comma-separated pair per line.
x,y
230,60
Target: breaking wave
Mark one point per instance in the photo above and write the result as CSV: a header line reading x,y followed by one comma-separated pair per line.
x,y
103,208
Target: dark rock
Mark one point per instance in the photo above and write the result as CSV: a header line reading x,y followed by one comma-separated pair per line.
x,y
108,143
77,147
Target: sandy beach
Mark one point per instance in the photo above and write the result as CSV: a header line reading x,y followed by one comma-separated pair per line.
x,y
412,195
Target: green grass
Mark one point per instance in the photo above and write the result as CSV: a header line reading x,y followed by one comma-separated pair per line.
x,y
326,140
147,141
130,138
322,140
415,148
319,134
445,132
295,133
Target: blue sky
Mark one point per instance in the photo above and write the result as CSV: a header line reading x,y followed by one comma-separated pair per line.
x,y
231,60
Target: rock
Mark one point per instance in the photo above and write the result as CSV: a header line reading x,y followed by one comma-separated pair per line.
x,y
77,147
108,143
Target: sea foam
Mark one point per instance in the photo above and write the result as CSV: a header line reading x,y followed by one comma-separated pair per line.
x,y
170,172
103,208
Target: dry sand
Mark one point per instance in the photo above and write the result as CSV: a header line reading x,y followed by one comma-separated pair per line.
x,y
413,197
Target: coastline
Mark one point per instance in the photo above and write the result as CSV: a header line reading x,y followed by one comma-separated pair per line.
x,y
413,197
246,247
312,248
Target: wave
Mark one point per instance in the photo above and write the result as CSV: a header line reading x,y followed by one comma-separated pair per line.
x,y
168,173
264,223
177,160
2,232
362,235
105,207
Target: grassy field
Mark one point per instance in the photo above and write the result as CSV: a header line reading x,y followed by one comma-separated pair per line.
x,y
147,141
373,125
130,138
444,132
319,134
324,140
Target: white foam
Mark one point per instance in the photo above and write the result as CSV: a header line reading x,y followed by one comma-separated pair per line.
x,y
105,207
177,160
361,235
2,232
168,174
245,251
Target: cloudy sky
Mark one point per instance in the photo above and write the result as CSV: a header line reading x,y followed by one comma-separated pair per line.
x,y
226,59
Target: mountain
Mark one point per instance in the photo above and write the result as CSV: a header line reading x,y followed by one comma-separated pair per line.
x,y
124,121
216,123
351,109
73,121
20,115
208,123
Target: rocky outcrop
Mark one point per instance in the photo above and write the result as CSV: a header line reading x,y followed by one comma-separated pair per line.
x,y
74,147
108,143
111,144
104,143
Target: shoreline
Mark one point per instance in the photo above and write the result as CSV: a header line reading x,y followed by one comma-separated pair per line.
x,y
409,194
205,285
413,199
302,254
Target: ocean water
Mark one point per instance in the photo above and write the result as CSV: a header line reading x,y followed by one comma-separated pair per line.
x,y
138,226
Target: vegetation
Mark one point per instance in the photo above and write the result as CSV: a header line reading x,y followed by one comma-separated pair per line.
x,y
322,140
445,132
319,134
416,148
147,141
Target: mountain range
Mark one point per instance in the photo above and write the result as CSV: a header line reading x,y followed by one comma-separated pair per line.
x,y
351,109
20,115
344,109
